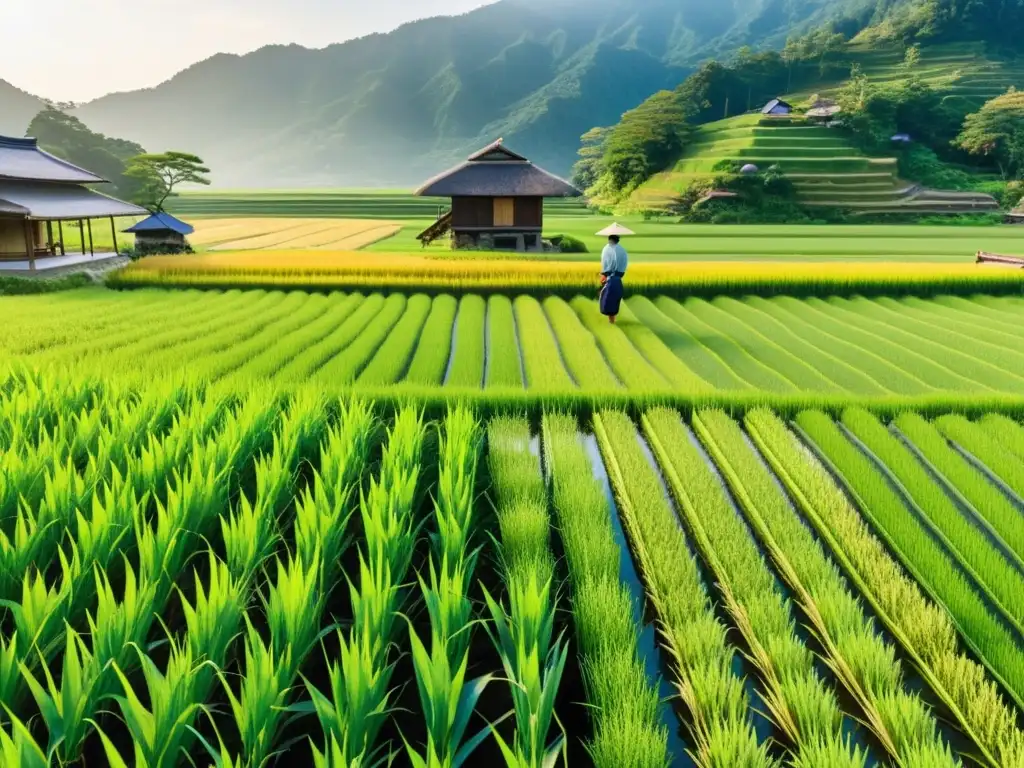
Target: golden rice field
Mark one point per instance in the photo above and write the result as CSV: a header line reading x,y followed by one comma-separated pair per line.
x,y
245,234
312,269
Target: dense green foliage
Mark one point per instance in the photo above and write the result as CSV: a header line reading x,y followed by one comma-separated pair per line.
x,y
996,132
68,137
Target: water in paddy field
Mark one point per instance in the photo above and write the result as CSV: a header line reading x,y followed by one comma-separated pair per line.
x,y
647,643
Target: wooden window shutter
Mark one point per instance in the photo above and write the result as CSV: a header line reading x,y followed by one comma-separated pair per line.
x,y
504,212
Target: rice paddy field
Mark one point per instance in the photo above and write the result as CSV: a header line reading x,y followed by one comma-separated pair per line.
x,y
880,347
198,575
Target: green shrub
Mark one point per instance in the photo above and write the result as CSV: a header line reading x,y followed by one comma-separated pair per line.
x,y
20,286
569,244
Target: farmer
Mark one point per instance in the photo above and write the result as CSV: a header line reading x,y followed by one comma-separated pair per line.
x,y
614,261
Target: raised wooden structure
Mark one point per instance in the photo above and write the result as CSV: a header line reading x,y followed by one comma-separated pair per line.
x,y
984,257
39,193
497,201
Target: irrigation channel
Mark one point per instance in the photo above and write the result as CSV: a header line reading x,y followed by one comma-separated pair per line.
x,y
649,589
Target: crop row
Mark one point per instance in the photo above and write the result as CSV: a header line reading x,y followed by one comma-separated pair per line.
x,y
189,572
784,346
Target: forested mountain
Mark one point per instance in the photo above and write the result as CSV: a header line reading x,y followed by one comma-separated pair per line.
x,y
392,109
899,66
68,137
17,109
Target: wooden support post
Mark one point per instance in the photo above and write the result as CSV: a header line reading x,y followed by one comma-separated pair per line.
x,y
49,239
113,233
81,233
30,242
60,234
92,252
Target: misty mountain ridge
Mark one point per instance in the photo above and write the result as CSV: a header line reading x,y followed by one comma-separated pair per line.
x,y
394,108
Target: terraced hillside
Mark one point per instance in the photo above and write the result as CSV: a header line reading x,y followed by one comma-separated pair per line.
x,y
967,73
826,168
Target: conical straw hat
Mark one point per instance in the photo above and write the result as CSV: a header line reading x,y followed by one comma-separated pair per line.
x,y
616,229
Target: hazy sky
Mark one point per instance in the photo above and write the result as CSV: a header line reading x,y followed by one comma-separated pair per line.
x,y
80,49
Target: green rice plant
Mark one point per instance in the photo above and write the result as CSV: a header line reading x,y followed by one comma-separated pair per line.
x,y
967,357
258,709
720,720
924,630
502,370
391,359
1009,432
543,368
20,749
658,354
1000,457
358,702
975,492
448,605
695,356
999,578
858,656
38,627
116,625
388,524
523,635
458,456
744,365
158,734
534,665
803,707
782,360
447,701
65,708
346,365
520,499
293,607
582,356
805,342
931,566
323,510
624,702
312,358
19,551
430,361
628,363
466,368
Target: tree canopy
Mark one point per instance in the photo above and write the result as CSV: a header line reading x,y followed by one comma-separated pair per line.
x,y
159,174
69,138
996,132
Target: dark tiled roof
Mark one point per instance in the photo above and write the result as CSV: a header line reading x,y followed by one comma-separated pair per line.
x,y
23,159
775,103
162,222
38,200
496,171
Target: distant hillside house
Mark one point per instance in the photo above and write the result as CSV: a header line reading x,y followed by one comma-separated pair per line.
x,y
161,231
777,108
38,194
497,201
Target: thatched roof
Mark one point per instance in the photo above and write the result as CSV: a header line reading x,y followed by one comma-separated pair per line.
x,y
23,159
496,171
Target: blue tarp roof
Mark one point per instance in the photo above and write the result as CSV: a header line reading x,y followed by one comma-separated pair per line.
x,y
159,222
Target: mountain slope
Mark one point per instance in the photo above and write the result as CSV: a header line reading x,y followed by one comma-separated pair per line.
x,y
17,109
391,109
